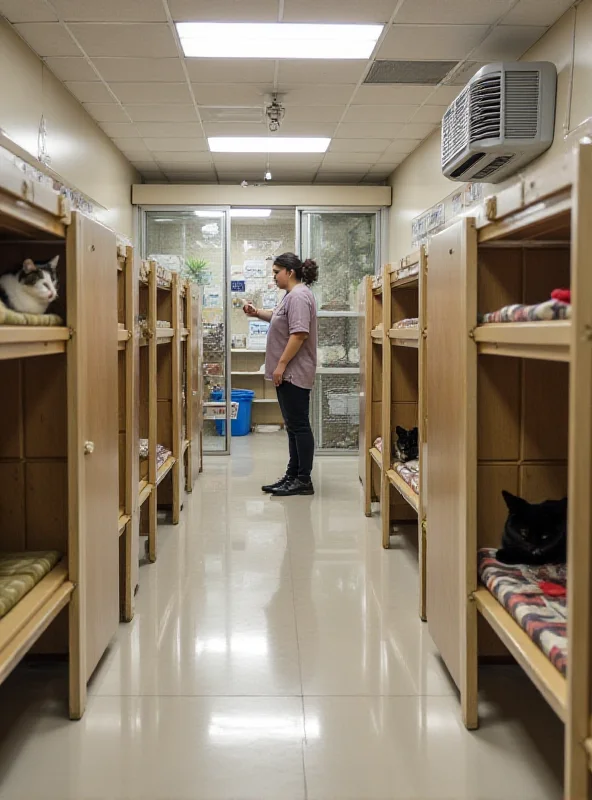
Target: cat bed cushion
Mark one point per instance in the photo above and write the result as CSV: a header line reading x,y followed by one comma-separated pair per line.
x,y
409,471
378,444
543,616
162,454
411,322
547,311
20,572
10,317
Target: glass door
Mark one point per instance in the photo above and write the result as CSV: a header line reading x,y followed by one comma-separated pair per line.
x,y
195,242
345,245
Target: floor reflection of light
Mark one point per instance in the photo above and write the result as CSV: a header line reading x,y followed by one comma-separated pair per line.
x,y
239,644
257,726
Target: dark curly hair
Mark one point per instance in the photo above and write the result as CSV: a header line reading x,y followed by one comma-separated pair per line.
x,y
305,271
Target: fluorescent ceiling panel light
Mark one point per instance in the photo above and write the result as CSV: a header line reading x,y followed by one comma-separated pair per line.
x,y
250,212
267,144
277,40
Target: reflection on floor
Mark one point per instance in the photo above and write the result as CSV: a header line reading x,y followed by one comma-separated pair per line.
x,y
276,654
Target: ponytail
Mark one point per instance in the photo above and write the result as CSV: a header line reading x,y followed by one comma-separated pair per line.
x,y
307,272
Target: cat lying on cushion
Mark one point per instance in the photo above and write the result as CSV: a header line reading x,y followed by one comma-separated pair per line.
x,y
535,533
30,288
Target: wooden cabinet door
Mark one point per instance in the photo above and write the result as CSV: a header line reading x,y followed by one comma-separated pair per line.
x,y
196,386
93,436
451,421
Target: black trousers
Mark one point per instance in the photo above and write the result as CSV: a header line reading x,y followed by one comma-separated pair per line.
x,y
295,406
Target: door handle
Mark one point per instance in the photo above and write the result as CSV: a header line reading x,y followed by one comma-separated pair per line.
x,y
89,448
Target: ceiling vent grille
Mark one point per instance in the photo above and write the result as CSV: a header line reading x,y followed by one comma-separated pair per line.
x,y
428,73
506,113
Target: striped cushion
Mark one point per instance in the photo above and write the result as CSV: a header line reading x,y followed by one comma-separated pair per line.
x,y
20,572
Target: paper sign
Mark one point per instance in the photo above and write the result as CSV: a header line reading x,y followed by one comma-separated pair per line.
x,y
257,339
237,286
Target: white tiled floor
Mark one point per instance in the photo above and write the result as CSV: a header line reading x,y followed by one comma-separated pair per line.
x,y
276,654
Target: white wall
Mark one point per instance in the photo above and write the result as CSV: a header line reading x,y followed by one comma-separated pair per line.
x,y
80,152
418,183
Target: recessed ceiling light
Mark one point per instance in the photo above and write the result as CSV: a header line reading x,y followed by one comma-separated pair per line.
x,y
277,40
267,144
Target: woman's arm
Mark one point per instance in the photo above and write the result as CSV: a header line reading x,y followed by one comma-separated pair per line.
x,y
295,342
251,311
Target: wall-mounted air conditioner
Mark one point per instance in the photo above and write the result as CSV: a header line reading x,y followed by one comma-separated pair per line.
x,y
502,119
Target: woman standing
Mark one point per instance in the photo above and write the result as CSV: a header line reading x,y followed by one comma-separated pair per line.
x,y
291,363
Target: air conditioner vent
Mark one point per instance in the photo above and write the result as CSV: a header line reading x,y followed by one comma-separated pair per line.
x,y
502,120
429,73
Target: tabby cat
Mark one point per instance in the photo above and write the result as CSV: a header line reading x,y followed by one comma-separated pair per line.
x,y
406,447
535,533
31,287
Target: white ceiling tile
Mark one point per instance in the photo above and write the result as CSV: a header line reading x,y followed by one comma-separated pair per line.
x,y
162,113
376,113
315,113
430,113
250,161
404,94
235,129
444,95
48,39
106,112
320,71
386,168
351,147
224,94
169,159
340,157
224,10
417,130
231,70
175,145
143,93
186,174
367,11
125,40
336,162
508,42
537,12
31,11
368,130
431,42
321,95
400,147
72,69
144,164
135,149
121,70
89,92
448,12
307,128
296,160
110,10
120,130
169,129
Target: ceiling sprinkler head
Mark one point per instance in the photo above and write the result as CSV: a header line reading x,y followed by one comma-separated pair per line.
x,y
267,176
244,184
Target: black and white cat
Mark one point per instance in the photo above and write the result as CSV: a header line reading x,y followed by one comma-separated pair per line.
x,y
30,288
535,533
406,447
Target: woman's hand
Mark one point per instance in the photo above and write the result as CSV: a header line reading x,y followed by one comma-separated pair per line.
x,y
278,374
250,310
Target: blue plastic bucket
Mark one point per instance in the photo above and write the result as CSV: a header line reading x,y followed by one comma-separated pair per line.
x,y
240,426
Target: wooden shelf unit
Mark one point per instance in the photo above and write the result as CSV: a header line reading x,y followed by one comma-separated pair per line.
x,y
246,374
403,397
70,465
371,418
128,392
148,406
495,394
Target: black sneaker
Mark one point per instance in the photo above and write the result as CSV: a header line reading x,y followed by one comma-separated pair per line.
x,y
294,487
271,487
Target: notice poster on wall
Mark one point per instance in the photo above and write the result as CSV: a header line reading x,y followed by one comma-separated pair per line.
x,y
257,336
212,297
255,268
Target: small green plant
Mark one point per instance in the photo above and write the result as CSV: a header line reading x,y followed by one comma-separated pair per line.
x,y
195,269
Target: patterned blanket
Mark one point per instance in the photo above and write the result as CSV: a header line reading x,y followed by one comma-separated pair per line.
x,y
523,592
20,572
378,444
412,322
10,317
549,310
409,471
162,454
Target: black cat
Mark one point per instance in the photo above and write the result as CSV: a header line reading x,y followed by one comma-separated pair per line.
x,y
407,446
535,533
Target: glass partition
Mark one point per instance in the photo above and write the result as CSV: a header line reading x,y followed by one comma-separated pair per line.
x,y
195,242
345,245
